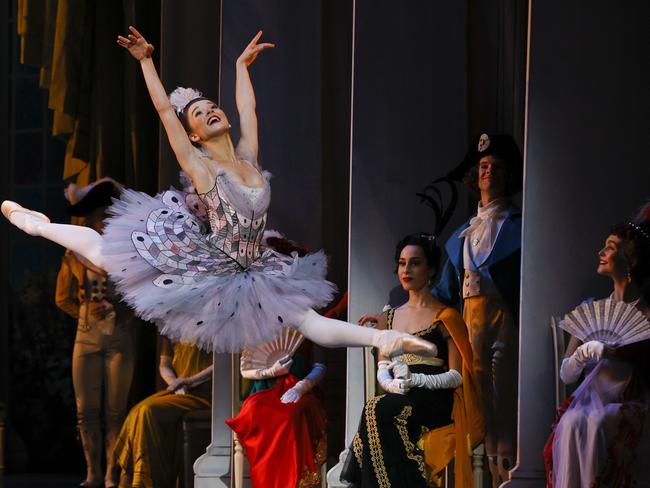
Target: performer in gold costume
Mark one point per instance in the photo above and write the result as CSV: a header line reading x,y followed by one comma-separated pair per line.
x,y
148,448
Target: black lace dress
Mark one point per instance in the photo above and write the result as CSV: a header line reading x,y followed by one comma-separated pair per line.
x,y
384,451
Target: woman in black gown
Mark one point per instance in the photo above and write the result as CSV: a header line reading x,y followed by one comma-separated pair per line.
x,y
420,392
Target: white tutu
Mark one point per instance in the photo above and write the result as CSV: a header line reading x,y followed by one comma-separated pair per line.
x,y
167,266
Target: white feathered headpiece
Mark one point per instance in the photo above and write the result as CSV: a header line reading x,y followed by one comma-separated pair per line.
x,y
181,97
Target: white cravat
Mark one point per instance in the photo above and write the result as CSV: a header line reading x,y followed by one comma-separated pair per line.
x,y
482,232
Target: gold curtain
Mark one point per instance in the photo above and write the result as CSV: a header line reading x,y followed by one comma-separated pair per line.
x,y
94,90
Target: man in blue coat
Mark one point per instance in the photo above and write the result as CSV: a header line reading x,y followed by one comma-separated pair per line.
x,y
481,278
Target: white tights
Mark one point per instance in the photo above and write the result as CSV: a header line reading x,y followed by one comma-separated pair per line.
x,y
81,240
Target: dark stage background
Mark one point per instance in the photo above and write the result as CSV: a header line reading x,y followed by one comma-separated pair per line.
x,y
414,112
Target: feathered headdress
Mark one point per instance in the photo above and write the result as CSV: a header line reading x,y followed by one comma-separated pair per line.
x,y
181,98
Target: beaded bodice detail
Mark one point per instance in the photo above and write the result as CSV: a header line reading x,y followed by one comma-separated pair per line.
x,y
237,217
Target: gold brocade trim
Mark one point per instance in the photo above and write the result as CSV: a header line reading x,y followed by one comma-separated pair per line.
x,y
321,449
409,447
420,443
391,315
357,448
374,443
412,359
389,318
422,332
311,479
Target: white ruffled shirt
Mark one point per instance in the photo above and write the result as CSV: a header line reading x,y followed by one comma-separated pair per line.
x,y
482,233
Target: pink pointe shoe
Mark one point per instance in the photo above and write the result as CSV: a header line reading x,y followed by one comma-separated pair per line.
x,y
26,220
392,343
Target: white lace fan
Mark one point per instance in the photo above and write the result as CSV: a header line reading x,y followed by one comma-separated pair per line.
x,y
609,321
265,355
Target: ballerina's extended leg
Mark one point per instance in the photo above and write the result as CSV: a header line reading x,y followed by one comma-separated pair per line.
x,y
336,333
79,239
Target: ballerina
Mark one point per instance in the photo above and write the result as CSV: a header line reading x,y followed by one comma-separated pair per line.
x,y
212,285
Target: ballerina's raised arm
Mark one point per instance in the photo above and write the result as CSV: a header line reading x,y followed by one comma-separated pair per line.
x,y
178,138
248,145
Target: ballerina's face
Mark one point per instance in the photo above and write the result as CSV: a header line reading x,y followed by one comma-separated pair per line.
x,y
206,120
412,268
610,259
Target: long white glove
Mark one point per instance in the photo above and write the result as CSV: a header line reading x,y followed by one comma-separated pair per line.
x,y
388,383
449,379
400,370
293,394
571,369
279,368
592,350
572,366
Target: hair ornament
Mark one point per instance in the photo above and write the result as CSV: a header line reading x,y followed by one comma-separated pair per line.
x,y
483,143
181,97
639,230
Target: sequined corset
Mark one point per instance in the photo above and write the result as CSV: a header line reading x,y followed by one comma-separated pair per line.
x,y
237,216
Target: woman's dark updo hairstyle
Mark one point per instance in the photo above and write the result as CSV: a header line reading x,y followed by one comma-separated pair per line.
x,y
635,246
429,245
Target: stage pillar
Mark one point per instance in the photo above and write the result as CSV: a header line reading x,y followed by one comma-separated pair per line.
x,y
586,168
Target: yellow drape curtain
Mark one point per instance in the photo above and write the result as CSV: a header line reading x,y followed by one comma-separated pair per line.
x,y
93,87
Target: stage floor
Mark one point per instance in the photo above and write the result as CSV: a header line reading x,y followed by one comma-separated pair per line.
x,y
41,481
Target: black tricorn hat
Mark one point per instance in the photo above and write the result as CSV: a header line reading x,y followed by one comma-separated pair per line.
x,y
502,146
95,195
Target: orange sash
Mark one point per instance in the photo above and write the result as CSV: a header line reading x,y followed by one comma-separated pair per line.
x,y
458,439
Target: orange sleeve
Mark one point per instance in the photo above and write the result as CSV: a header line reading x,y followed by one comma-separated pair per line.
x,y
66,288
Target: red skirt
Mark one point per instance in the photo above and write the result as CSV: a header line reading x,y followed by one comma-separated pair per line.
x,y
285,443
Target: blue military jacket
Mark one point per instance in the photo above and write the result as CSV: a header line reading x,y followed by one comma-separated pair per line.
x,y
503,264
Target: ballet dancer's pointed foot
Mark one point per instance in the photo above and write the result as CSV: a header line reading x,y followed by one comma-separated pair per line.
x,y
26,220
392,343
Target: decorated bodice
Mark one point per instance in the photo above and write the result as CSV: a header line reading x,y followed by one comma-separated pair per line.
x,y
421,364
237,216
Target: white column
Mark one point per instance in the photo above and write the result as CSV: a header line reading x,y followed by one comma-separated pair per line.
x,y
214,465
355,399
